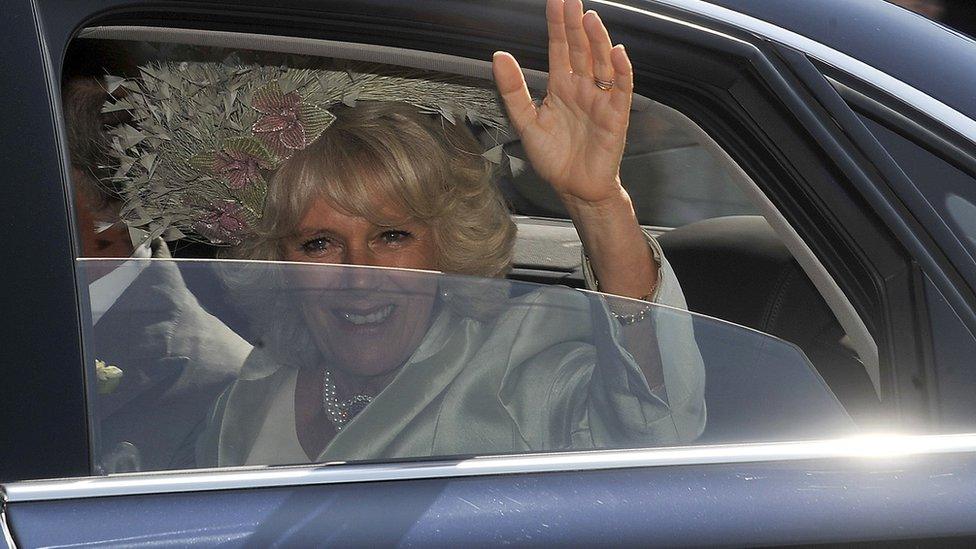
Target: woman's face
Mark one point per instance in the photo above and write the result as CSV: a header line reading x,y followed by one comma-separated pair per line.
x,y
368,321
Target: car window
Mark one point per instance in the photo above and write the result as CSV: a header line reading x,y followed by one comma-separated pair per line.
x,y
477,367
671,178
227,356
953,346
948,210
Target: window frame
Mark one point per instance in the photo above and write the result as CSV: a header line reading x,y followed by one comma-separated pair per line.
x,y
945,145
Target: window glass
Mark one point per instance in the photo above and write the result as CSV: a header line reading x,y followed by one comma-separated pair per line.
x,y
453,366
672,179
953,347
951,194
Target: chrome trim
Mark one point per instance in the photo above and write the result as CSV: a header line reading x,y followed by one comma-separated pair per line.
x,y
873,447
8,537
946,115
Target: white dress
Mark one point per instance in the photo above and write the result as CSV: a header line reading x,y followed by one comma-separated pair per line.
x,y
550,373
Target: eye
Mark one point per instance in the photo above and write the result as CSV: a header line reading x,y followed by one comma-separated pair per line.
x,y
395,237
317,246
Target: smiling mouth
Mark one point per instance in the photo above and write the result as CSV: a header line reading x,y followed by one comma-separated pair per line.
x,y
366,318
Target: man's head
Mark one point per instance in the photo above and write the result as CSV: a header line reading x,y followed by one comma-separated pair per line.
x,y
96,206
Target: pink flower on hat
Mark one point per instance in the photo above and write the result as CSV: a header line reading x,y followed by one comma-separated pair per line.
x,y
280,128
224,223
238,168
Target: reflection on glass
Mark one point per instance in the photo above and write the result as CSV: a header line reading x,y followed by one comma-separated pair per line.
x,y
343,363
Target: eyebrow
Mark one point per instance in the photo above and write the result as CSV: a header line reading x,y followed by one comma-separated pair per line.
x,y
301,233
406,224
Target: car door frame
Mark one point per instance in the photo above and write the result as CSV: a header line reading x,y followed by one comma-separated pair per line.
x,y
866,489
61,342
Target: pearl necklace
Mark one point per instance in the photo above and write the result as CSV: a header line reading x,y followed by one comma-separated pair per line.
x,y
340,413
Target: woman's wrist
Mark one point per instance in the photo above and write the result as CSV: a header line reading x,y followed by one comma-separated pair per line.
x,y
615,243
615,200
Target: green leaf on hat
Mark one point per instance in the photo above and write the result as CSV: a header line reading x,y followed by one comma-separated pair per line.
x,y
248,145
315,119
204,162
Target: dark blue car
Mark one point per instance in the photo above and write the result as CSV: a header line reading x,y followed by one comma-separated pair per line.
x,y
807,168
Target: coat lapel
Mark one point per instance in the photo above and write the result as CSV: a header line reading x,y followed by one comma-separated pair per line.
x,y
425,376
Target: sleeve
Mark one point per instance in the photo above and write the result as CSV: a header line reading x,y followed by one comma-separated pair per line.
x,y
680,359
585,390
598,399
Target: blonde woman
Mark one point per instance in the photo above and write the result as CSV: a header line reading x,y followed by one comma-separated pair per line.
x,y
380,363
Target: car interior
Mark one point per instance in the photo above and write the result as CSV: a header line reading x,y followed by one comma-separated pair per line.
x,y
736,258
731,263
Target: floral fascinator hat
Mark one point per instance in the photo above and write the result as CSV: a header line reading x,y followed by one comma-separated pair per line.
x,y
204,137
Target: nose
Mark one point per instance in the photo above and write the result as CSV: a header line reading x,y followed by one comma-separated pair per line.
x,y
360,255
360,278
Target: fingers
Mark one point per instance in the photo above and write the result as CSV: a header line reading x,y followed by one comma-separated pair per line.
x,y
579,45
515,94
623,79
558,47
600,45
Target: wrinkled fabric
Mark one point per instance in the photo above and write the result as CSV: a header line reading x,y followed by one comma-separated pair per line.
x,y
547,374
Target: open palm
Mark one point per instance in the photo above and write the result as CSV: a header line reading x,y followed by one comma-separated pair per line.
x,y
575,138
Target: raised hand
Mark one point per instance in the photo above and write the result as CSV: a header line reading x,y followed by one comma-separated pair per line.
x,y
575,139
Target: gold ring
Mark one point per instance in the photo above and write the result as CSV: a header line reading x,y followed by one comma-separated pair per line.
x,y
605,85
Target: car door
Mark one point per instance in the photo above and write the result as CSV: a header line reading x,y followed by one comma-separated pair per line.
x,y
769,109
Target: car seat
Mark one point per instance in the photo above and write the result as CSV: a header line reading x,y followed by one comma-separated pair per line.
x,y
735,268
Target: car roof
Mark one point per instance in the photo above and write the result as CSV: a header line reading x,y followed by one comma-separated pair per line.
x,y
924,54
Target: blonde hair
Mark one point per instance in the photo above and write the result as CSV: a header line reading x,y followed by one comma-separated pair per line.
x,y
376,157
380,157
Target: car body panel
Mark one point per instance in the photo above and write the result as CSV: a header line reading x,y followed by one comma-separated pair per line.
x,y
750,503
767,501
41,321
864,29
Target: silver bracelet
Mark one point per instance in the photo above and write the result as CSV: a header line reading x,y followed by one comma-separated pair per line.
x,y
627,320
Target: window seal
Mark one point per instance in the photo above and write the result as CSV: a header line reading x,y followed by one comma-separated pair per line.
x,y
367,53
908,127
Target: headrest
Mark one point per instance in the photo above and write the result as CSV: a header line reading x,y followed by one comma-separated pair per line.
x,y
736,268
